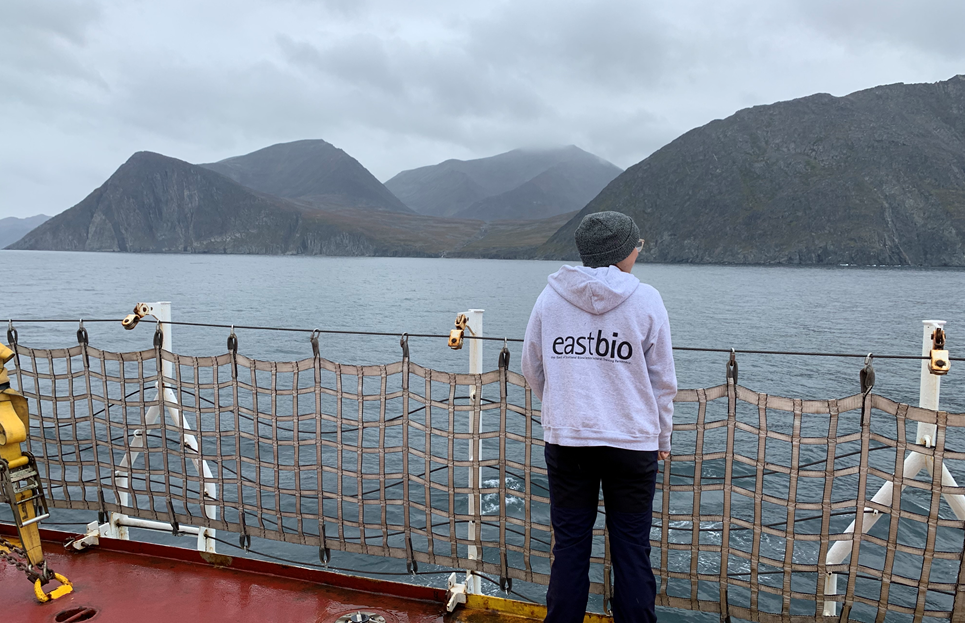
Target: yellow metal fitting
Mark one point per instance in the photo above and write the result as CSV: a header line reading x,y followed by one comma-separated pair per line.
x,y
140,310
65,588
455,339
457,334
939,363
130,321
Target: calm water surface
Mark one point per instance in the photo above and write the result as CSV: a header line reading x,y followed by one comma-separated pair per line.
x,y
846,309
838,309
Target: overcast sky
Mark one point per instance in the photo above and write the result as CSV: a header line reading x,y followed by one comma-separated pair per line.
x,y
84,84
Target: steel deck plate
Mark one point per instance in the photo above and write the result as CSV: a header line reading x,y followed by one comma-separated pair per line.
x,y
135,582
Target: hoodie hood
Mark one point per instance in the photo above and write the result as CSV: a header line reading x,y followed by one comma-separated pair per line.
x,y
594,290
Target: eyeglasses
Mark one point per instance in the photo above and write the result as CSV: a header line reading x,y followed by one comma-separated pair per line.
x,y
639,246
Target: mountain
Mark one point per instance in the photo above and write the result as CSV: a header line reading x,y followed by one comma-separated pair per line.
x,y
13,229
520,184
875,177
157,204
565,187
312,172
153,203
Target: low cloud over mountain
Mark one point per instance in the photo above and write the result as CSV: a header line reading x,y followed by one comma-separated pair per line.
x,y
520,184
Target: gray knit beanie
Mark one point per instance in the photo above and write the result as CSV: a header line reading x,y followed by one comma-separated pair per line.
x,y
605,238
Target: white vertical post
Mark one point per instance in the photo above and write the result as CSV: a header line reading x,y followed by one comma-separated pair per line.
x,y
929,390
475,325
930,387
162,312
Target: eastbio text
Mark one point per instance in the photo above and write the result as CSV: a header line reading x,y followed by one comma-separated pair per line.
x,y
593,345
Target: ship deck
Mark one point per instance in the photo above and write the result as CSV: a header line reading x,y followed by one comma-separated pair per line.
x,y
131,581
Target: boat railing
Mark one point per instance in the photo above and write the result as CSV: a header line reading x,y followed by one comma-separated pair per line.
x,y
764,512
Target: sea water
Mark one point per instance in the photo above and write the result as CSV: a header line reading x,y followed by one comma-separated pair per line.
x,y
815,309
856,310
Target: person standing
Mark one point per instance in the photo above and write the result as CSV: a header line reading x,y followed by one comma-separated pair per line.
x,y
597,353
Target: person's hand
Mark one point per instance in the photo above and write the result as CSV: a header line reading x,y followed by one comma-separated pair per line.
x,y
663,455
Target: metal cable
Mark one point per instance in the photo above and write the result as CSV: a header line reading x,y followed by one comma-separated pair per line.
x,y
473,337
262,328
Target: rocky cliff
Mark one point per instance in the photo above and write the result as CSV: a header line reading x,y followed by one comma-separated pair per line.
x,y
153,203
875,177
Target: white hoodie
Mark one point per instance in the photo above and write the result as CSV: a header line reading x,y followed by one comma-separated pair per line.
x,y
597,353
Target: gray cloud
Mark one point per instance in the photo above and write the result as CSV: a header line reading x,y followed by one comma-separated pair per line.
x,y
42,46
399,85
928,26
360,60
600,45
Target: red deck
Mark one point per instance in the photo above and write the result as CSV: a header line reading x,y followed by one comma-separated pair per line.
x,y
133,582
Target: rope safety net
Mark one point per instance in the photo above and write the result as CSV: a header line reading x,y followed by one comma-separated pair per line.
x,y
384,460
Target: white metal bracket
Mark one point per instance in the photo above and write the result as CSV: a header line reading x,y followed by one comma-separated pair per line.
x,y
455,593
95,532
91,538
115,528
206,542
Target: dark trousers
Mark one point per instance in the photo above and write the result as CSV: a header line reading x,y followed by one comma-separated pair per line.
x,y
628,478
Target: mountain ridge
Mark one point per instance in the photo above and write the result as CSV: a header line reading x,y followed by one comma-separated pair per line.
x,y
876,177
13,229
157,204
562,188
312,172
495,187
154,203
